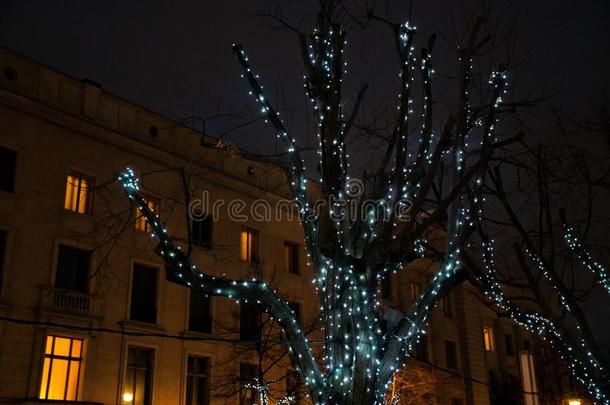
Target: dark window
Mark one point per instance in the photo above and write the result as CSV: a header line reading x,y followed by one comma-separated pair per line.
x,y
293,385
8,158
527,345
508,343
72,269
296,307
291,258
200,312
446,304
249,322
247,374
386,287
201,230
138,380
144,294
451,354
198,381
457,401
421,349
2,255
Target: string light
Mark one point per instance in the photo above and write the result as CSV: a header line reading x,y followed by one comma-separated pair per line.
x,y
361,354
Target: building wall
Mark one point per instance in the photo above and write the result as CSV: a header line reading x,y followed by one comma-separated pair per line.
x,y
58,124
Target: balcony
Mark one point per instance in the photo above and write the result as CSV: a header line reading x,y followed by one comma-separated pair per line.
x,y
69,301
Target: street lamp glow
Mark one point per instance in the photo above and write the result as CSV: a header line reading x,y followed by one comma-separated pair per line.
x,y
128,397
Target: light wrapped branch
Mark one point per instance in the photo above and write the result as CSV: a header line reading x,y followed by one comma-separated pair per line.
x,y
582,254
179,269
573,349
296,173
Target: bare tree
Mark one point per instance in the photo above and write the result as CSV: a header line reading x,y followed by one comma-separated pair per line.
x,y
427,178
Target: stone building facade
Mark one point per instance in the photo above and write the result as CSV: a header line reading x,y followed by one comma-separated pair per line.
x,y
85,311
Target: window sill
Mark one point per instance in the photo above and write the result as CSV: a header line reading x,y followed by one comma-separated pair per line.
x,y
35,401
139,326
195,334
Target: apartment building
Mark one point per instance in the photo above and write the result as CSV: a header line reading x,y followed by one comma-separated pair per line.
x,y
86,315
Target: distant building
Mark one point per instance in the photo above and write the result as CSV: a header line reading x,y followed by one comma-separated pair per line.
x,y
86,315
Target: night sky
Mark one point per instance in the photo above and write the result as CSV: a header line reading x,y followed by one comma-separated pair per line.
x,y
176,59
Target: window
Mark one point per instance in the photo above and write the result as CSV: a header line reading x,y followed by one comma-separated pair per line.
x,y
154,204
296,307
198,381
249,322
137,389
527,345
79,193
446,305
61,368
451,354
201,230
415,290
291,258
72,269
457,401
3,235
421,349
247,374
8,158
144,294
249,245
508,343
488,339
200,314
293,384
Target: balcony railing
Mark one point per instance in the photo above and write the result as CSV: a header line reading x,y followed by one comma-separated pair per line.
x,y
70,301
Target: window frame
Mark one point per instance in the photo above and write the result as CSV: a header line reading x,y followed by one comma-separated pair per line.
x,y
509,345
457,355
80,360
157,291
207,218
242,389
210,313
243,333
151,377
250,256
296,389
208,376
154,204
294,267
297,307
54,273
89,196
489,344
447,306
416,290
12,181
4,248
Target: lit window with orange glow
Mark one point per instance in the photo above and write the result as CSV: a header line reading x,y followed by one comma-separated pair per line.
x,y
249,245
79,193
61,368
141,223
488,339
